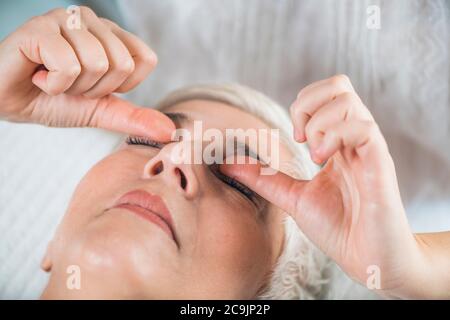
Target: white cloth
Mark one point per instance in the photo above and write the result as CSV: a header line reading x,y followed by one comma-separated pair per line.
x,y
401,72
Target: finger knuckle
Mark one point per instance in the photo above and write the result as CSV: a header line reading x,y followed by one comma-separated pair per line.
x,y
298,110
340,80
85,10
301,93
53,91
126,67
57,12
349,98
99,67
37,20
38,23
149,58
332,134
370,126
343,78
72,71
108,22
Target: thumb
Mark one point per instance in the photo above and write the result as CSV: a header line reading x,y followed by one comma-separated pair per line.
x,y
115,114
279,188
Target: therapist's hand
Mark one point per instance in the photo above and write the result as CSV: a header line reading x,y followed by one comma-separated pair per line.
x,y
352,208
57,75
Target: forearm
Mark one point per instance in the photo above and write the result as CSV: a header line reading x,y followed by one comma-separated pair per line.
x,y
434,272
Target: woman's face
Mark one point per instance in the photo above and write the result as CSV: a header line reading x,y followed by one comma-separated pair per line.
x,y
140,226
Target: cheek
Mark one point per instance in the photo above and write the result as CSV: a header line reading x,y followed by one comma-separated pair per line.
x,y
99,188
108,177
233,239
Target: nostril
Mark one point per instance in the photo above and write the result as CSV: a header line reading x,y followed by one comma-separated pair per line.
x,y
183,180
157,168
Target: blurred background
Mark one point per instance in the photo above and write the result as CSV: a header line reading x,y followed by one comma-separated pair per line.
x,y
400,70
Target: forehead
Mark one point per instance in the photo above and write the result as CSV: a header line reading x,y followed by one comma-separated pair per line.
x,y
218,115
222,116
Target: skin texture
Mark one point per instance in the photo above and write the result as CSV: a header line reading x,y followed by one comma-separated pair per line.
x,y
227,248
352,209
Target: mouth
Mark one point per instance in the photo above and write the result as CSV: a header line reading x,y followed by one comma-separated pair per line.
x,y
149,207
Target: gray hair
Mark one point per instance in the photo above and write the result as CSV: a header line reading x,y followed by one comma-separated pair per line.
x,y
300,270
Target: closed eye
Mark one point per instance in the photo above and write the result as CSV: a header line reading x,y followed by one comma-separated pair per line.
x,y
244,190
143,141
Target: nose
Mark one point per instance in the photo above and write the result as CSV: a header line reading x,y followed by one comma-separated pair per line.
x,y
176,174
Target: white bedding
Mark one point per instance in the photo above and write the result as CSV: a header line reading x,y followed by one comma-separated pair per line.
x,y
401,72
39,169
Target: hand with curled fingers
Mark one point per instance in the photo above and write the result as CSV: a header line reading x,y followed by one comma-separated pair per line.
x,y
60,76
352,209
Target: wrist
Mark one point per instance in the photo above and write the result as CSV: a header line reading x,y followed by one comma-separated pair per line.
x,y
435,273
429,274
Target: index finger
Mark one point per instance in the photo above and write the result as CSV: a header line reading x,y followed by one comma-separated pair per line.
x,y
314,96
113,113
280,189
144,58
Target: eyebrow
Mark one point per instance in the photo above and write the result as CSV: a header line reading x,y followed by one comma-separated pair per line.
x,y
180,118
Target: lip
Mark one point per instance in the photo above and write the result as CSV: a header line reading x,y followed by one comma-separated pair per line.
x,y
149,206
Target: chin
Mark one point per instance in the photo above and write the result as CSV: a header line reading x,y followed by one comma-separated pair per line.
x,y
118,248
